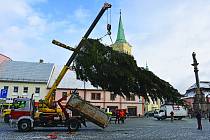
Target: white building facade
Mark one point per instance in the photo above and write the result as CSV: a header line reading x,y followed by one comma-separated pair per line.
x,y
22,79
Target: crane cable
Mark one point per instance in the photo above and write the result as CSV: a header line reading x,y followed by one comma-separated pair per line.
x,y
108,27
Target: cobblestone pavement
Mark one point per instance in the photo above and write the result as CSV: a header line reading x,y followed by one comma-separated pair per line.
x,y
133,129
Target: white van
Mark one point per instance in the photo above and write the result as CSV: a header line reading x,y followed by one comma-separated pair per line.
x,y
165,110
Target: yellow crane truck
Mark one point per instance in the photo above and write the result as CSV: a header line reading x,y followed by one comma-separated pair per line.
x,y
26,116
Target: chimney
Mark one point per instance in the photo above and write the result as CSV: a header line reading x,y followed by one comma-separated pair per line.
x,y
41,61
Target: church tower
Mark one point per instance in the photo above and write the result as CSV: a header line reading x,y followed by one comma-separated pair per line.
x,y
121,44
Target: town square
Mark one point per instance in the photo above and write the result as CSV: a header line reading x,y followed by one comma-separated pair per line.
x,y
104,69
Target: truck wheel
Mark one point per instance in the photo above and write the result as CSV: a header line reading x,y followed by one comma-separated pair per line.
x,y
24,125
6,118
158,118
73,126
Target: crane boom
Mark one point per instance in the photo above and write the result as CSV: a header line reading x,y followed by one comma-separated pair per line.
x,y
48,97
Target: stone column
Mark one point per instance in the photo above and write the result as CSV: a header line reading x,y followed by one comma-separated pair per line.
x,y
199,103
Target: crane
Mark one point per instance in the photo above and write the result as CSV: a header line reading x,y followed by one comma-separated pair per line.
x,y
48,105
26,116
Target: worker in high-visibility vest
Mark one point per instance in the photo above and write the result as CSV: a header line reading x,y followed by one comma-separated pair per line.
x,y
122,115
109,115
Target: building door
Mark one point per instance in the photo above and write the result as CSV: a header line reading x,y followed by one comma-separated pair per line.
x,y
132,111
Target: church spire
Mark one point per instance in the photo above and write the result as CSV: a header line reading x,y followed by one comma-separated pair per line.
x,y
121,44
120,33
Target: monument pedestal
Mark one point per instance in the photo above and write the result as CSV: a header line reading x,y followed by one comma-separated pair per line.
x,y
199,103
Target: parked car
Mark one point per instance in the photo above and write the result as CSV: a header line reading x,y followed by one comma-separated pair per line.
x,y
149,114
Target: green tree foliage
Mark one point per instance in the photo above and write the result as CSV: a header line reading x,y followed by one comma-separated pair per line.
x,y
118,72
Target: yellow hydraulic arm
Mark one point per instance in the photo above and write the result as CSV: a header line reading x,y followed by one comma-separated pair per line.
x,y
49,98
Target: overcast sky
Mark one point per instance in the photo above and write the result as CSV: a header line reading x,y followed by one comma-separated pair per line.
x,y
163,33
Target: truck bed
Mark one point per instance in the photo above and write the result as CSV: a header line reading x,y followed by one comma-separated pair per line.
x,y
87,110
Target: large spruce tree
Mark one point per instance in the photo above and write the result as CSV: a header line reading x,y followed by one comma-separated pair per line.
x,y
118,72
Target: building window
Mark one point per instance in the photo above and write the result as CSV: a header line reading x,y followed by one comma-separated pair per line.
x,y
140,99
64,94
74,92
6,87
15,89
127,98
95,96
37,91
25,89
131,98
112,96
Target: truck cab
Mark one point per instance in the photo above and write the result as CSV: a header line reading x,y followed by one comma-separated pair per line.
x,y
22,114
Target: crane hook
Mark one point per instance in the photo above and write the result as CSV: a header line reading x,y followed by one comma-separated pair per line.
x,y
109,27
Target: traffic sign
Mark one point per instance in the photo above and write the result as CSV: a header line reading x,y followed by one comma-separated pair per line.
x,y
3,93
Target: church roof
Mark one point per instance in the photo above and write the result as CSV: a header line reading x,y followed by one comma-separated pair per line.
x,y
120,33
